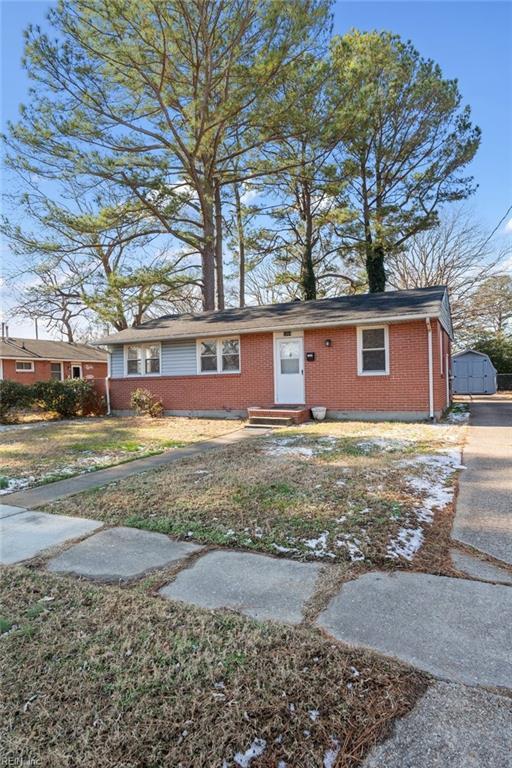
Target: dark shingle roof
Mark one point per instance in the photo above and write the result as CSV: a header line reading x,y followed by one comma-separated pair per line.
x,y
341,310
45,349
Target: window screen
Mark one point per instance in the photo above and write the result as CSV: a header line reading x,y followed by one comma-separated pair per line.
x,y
373,350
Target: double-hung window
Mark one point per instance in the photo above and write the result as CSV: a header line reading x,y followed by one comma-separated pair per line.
x,y
218,355
56,371
143,359
373,351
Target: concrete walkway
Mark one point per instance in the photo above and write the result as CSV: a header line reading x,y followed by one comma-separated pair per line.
x,y
450,727
484,507
454,629
45,494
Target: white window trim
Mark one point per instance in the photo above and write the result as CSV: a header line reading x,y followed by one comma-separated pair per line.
x,y
360,329
55,362
24,370
143,374
218,342
76,365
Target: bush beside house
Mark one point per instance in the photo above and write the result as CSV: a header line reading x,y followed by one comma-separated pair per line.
x,y
68,398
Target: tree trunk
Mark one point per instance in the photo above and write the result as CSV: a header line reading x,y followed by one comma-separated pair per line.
x,y
219,265
208,254
375,267
241,247
307,268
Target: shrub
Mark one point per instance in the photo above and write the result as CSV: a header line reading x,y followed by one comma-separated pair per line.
x,y
68,398
145,403
13,397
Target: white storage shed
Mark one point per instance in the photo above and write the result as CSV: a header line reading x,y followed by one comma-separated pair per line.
x,y
473,373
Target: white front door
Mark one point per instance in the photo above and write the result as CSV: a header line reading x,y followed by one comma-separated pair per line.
x,y
289,367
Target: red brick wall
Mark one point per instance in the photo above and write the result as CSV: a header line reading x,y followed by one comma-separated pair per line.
x,y
331,379
42,371
233,391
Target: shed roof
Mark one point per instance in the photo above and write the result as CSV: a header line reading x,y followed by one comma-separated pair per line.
x,y
341,310
46,349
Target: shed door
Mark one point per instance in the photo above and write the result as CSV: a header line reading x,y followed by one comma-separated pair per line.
x,y
477,375
470,375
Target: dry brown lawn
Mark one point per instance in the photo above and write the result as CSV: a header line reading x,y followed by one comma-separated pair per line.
x,y
35,454
357,492
107,676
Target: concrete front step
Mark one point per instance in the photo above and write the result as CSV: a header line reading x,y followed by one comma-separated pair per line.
x,y
270,421
289,414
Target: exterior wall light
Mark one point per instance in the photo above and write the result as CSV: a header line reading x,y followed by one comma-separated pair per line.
x,y
328,342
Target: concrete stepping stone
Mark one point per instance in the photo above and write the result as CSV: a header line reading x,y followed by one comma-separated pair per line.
x,y
258,586
453,628
120,554
479,569
7,510
25,534
450,727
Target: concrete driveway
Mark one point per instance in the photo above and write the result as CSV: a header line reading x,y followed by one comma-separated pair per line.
x,y
484,506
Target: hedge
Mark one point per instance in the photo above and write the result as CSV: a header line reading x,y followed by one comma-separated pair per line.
x,y
68,398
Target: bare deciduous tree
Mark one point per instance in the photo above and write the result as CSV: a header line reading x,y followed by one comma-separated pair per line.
x,y
457,253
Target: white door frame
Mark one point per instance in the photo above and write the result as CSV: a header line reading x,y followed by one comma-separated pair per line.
x,y
280,336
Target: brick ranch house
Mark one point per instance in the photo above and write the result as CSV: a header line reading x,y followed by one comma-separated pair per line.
x,y
29,360
366,356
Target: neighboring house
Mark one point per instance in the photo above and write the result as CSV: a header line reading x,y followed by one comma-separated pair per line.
x,y
473,373
383,355
31,360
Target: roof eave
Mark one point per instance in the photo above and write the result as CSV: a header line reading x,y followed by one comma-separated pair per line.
x,y
146,338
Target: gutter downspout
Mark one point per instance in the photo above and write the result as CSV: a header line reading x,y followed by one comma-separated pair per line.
x,y
107,384
430,371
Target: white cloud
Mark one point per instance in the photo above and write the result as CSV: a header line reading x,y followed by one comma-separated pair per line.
x,y
508,227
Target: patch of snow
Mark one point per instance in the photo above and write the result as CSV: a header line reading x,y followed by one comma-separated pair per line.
x,y
406,543
352,545
256,749
281,549
319,546
459,416
17,484
384,444
296,450
314,714
331,754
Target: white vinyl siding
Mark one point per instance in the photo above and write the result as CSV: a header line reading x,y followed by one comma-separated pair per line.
x,y
117,362
373,350
179,358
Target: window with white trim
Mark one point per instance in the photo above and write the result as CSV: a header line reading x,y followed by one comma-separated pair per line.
x,y
218,355
56,371
373,351
143,359
24,366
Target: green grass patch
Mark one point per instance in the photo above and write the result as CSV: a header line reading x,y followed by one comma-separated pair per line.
x,y
5,625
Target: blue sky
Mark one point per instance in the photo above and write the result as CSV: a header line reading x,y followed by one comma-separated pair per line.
x,y
471,41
